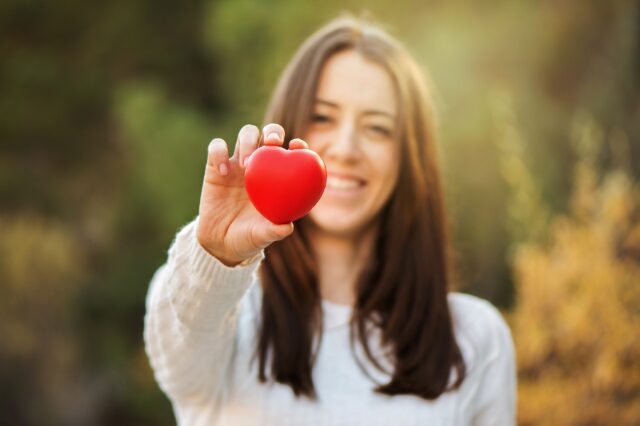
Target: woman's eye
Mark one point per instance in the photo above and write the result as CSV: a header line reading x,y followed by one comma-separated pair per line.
x,y
381,130
320,118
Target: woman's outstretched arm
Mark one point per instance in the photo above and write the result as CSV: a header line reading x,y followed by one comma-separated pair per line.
x,y
194,298
190,323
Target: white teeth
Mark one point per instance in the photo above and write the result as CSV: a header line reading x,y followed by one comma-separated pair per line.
x,y
341,183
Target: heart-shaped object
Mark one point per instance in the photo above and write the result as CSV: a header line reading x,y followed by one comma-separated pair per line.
x,y
283,184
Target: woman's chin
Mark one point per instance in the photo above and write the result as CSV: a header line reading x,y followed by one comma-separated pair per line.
x,y
340,224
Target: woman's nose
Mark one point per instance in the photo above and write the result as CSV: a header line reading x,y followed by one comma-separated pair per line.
x,y
345,146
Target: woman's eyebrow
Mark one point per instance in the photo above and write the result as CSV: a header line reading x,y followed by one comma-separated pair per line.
x,y
376,112
367,112
327,103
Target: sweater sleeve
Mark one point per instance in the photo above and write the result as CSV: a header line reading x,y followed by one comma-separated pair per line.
x,y
192,308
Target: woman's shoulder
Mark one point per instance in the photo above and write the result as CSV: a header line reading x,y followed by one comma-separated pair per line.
x,y
479,326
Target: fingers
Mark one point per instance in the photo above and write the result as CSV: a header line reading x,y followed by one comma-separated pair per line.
x,y
298,144
247,143
273,134
218,156
249,140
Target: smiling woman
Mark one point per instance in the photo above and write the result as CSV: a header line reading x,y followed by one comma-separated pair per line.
x,y
348,316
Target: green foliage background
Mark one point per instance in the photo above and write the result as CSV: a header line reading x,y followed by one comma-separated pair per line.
x,y
106,110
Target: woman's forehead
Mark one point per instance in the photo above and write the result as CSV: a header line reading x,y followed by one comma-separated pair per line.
x,y
348,80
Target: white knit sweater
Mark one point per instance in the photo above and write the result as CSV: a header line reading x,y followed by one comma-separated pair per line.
x,y
200,327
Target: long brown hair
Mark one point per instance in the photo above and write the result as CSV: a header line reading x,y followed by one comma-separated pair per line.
x,y
403,289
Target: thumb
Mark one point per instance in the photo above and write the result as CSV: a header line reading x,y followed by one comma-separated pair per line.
x,y
271,232
278,232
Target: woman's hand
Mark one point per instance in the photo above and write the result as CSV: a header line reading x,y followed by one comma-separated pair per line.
x,y
229,227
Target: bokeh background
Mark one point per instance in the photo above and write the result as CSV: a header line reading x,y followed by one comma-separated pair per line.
x,y
106,110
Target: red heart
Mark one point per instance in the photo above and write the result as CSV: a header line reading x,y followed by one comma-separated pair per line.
x,y
282,184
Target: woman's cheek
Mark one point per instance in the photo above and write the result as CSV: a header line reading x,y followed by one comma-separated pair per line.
x,y
315,143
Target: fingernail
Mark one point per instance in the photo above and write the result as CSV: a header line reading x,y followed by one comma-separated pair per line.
x,y
273,136
224,170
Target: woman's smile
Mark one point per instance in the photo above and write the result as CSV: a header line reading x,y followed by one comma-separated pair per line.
x,y
344,185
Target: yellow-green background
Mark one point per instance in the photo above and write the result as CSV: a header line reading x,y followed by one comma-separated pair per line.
x,y
106,109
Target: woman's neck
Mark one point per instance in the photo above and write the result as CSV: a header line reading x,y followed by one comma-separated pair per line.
x,y
340,259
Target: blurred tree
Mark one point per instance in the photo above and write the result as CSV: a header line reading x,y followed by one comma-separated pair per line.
x,y
576,317
41,265
66,166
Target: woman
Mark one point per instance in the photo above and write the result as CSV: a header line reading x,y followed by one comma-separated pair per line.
x,y
344,318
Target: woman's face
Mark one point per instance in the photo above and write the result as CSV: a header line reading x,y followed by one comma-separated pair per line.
x,y
354,129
